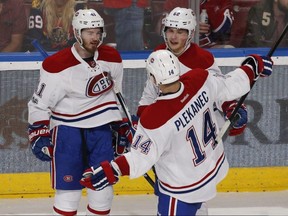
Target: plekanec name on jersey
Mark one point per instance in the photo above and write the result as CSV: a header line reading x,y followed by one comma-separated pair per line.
x,y
187,116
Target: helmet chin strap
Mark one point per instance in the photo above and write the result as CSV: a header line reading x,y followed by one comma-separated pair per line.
x,y
101,41
78,38
80,43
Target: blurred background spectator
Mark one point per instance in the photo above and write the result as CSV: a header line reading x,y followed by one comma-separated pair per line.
x,y
136,24
13,25
216,32
50,22
266,21
128,16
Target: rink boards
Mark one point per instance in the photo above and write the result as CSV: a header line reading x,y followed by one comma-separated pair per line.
x,y
258,158
261,179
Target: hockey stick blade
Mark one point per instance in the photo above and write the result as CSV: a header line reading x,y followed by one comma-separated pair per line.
x,y
232,119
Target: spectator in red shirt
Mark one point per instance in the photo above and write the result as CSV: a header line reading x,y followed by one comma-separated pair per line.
x,y
13,25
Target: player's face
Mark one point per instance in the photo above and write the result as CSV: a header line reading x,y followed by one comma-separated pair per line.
x,y
176,39
91,38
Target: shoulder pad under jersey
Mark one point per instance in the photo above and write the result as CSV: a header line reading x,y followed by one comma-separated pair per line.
x,y
109,54
197,57
60,61
160,47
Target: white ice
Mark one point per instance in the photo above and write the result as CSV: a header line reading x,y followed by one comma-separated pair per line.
x,y
242,203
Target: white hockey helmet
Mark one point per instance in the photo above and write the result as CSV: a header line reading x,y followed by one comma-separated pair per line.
x,y
180,18
87,18
164,66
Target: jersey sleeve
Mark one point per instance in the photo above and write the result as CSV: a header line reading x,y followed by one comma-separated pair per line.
x,y
144,152
230,86
220,15
149,95
220,18
49,91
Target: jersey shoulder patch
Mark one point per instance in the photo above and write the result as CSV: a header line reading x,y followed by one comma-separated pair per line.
x,y
197,57
160,112
60,61
109,54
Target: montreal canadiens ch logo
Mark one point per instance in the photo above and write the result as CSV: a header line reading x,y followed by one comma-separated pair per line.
x,y
68,178
98,85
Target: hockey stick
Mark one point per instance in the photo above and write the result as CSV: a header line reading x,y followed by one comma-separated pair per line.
x,y
234,116
37,45
127,113
118,94
130,122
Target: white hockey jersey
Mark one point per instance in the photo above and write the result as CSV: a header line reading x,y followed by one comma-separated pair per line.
x,y
177,133
72,93
193,57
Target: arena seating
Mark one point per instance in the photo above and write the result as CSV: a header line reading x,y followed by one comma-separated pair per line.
x,y
240,10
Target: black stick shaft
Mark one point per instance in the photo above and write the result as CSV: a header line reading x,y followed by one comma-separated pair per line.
x,y
233,118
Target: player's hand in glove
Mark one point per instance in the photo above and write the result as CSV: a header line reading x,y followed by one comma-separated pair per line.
x,y
40,140
261,65
128,131
240,125
99,177
123,135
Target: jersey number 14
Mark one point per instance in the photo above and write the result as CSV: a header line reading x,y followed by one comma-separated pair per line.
x,y
208,137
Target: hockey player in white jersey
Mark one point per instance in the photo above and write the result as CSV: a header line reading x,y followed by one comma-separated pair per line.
x,y
178,32
71,112
177,133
